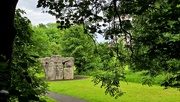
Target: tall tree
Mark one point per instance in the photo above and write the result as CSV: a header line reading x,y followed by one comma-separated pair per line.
x,y
80,46
48,38
7,31
156,36
25,85
41,41
7,35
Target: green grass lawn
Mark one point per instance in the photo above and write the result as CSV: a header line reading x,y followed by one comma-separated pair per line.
x,y
50,99
136,77
134,92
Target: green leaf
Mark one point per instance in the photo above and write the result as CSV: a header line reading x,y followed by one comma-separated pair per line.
x,y
157,5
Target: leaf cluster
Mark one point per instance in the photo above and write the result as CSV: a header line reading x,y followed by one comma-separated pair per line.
x,y
25,86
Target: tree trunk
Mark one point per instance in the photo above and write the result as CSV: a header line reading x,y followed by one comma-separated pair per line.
x,y
7,35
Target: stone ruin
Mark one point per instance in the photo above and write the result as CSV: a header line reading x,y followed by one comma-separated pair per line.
x,y
58,68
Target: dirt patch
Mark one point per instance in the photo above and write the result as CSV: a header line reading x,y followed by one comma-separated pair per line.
x,y
80,77
75,78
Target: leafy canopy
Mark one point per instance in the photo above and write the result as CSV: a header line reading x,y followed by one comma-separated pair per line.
x,y
76,44
25,85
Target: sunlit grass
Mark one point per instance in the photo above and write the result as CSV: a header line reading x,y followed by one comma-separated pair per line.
x,y
137,77
134,92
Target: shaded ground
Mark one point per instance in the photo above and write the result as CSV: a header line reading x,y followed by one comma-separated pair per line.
x,y
75,78
64,98
80,77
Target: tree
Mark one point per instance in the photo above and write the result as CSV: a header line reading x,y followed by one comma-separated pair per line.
x,y
48,39
156,41
7,35
76,44
7,29
54,34
41,41
25,85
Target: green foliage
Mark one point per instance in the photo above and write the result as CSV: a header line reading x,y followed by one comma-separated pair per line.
x,y
112,70
110,80
80,46
41,43
153,33
139,77
47,40
156,39
25,86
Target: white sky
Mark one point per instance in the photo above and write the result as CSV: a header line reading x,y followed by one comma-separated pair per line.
x,y
36,16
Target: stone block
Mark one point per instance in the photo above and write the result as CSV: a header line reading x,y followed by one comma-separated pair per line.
x,y
57,67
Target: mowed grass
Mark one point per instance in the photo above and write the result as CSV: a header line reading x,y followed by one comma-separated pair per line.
x,y
49,99
134,92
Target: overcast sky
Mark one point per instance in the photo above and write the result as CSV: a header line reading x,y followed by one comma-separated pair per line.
x,y
36,16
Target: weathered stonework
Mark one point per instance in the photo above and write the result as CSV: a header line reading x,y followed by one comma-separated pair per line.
x,y
57,67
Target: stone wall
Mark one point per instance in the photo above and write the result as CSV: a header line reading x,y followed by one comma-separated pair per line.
x,y
57,67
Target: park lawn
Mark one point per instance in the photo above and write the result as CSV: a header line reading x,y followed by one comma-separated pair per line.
x,y
50,100
134,92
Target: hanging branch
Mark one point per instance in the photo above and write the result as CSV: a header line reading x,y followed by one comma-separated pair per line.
x,y
121,26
